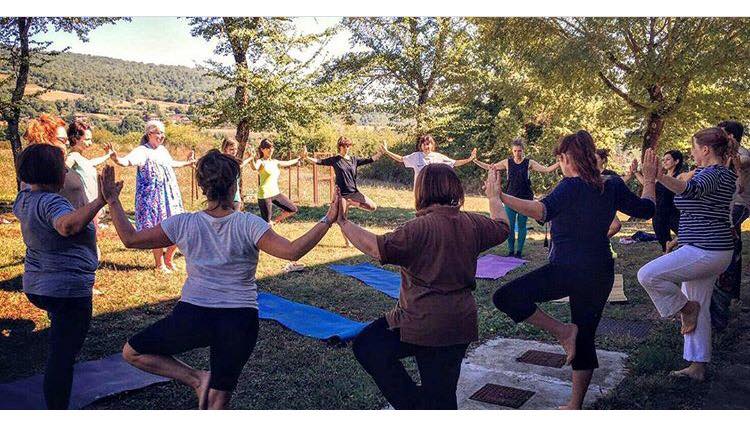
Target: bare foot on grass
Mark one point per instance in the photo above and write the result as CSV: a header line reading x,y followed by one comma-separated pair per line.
x,y
693,371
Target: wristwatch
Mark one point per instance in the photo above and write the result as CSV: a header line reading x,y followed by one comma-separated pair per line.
x,y
325,221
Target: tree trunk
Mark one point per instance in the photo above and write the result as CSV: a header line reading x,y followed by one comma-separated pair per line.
x,y
239,52
13,114
655,121
654,128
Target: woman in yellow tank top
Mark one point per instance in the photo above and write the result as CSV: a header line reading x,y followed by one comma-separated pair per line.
x,y
269,193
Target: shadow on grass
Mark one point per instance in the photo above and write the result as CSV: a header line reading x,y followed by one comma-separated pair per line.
x,y
13,285
383,216
285,371
125,266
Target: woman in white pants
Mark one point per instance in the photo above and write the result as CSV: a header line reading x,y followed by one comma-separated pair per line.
x,y
705,246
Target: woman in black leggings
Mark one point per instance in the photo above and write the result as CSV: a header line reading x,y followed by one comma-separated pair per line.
x,y
580,264
667,217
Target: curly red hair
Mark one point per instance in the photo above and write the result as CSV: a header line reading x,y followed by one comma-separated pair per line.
x,y
43,130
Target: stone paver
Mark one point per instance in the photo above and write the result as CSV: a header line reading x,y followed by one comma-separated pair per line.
x,y
495,362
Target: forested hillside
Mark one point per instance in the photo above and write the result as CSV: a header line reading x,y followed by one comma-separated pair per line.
x,y
116,79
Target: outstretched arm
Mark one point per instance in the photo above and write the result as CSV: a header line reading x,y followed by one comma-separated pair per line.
x,y
153,237
99,160
393,156
190,161
122,161
288,163
533,209
462,162
278,246
536,166
362,239
307,157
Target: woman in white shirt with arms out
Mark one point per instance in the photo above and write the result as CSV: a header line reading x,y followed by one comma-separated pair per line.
x,y
427,154
218,307
157,193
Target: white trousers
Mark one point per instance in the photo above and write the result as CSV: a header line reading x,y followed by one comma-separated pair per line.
x,y
697,270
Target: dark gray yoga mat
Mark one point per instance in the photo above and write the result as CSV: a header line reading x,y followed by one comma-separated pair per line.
x,y
92,380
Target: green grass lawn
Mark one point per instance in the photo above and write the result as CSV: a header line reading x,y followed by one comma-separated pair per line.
x,y
286,370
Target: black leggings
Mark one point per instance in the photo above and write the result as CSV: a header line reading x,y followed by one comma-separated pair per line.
x,y
230,332
70,319
665,221
281,201
588,288
379,349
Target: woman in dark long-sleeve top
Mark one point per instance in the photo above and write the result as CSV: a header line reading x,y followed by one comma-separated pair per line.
x,y
581,209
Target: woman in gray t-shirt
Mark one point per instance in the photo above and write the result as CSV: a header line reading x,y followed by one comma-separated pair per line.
x,y
218,306
60,263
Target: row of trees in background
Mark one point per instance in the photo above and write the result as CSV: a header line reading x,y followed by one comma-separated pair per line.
x,y
473,82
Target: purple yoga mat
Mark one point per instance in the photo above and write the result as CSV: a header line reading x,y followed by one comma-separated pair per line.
x,y
491,266
92,380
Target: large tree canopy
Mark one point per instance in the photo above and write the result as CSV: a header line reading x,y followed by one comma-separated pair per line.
x,y
666,74
20,50
272,83
402,64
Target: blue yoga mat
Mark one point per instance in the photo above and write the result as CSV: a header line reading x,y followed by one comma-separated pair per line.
x,y
307,320
382,280
92,380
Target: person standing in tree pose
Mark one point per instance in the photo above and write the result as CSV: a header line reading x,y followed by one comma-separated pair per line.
x,y
60,263
667,218
518,184
435,319
230,146
728,285
218,306
427,154
269,193
706,244
157,192
580,263
602,158
345,168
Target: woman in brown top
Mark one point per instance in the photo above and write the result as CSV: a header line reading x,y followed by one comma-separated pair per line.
x,y
436,316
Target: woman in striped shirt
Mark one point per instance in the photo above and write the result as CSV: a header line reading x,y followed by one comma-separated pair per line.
x,y
705,246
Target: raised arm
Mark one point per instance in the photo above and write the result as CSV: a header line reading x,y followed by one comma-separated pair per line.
x,y
493,189
536,166
122,161
470,159
153,237
533,209
254,164
278,246
100,160
306,157
485,166
74,222
362,239
393,156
